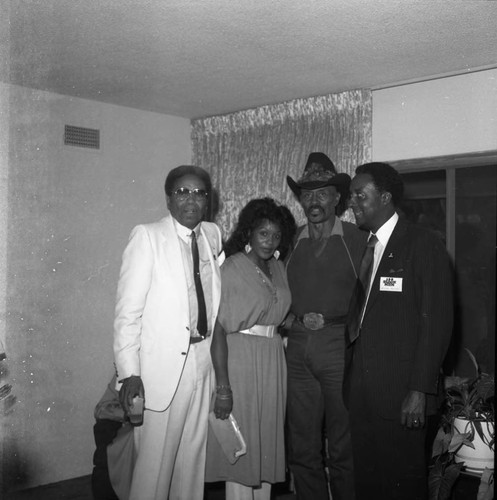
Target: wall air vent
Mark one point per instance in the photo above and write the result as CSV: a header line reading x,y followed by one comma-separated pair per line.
x,y
82,137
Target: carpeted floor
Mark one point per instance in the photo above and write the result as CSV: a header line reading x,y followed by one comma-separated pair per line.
x,y
80,489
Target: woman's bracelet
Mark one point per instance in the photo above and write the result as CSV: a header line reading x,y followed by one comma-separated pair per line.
x,y
224,392
224,397
223,388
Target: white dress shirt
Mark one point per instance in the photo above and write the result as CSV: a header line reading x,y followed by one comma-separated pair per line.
x,y
185,238
383,234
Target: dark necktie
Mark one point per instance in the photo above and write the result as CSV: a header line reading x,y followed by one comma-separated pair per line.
x,y
361,289
202,313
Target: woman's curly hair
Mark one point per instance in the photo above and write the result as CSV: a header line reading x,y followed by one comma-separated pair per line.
x,y
252,215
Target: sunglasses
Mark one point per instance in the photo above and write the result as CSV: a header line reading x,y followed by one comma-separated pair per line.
x,y
184,193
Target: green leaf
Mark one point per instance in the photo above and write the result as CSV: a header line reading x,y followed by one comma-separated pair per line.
x,y
485,386
441,442
458,440
473,359
442,479
486,488
435,480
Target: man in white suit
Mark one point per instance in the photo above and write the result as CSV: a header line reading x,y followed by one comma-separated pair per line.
x,y
161,351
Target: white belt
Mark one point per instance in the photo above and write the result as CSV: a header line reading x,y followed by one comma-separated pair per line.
x,y
261,331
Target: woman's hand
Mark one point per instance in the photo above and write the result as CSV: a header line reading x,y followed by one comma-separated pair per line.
x,y
224,402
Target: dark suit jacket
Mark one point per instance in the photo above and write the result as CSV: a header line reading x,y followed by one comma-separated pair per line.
x,y
405,335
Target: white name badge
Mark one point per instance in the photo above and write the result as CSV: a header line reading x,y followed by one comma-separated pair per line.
x,y
389,284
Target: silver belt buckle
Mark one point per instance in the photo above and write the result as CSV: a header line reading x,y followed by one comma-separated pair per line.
x,y
313,321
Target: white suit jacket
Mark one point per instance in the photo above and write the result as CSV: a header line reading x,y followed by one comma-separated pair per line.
x,y
152,321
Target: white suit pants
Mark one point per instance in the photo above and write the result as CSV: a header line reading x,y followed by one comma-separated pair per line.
x,y
171,445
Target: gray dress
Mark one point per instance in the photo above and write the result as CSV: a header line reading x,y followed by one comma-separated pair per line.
x,y
257,371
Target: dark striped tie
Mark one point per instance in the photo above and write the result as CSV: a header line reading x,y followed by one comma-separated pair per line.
x,y
202,313
358,300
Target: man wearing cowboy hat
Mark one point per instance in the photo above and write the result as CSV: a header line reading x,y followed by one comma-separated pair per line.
x,y
322,270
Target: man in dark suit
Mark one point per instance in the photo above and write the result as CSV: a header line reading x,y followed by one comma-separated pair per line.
x,y
398,333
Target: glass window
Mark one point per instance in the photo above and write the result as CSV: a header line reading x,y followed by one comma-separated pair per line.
x,y
459,204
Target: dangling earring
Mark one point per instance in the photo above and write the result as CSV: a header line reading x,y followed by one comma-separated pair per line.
x,y
248,248
276,254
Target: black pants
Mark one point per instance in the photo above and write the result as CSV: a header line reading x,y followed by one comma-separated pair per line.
x,y
389,460
315,362
104,432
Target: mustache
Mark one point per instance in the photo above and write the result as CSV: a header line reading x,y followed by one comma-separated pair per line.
x,y
312,207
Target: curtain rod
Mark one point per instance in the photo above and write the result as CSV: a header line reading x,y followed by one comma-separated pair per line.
x,y
434,77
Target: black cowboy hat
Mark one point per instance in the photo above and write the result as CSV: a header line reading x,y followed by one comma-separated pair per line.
x,y
319,172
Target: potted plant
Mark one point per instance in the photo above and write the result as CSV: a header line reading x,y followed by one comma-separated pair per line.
x,y
466,436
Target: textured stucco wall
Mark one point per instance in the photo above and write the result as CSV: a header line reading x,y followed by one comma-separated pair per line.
x,y
70,211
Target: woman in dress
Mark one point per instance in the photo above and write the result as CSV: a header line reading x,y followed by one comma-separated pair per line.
x,y
247,351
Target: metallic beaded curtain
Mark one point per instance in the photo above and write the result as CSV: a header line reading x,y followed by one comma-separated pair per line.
x,y
249,153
